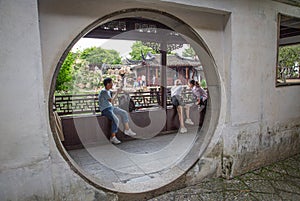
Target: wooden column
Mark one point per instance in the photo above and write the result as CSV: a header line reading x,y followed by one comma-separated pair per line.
x,y
163,75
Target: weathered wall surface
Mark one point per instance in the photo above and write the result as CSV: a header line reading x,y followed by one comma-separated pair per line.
x,y
24,144
263,121
29,168
258,123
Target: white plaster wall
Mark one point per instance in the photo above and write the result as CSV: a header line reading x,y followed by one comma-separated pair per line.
x,y
243,44
263,118
24,145
257,119
28,169
21,86
261,123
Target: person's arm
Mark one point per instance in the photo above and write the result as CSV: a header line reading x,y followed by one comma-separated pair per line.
x,y
112,100
198,96
203,94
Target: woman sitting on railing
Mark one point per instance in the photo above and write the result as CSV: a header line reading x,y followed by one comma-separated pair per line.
x,y
107,109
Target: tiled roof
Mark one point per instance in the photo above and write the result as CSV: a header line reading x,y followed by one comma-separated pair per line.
x,y
172,60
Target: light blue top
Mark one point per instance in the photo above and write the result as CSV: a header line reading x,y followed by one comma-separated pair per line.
x,y
176,90
103,97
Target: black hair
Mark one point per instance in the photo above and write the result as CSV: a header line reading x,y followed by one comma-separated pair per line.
x,y
193,82
106,81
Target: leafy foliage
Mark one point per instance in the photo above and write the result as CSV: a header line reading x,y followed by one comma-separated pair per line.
x,y
288,59
75,75
137,48
203,83
289,55
85,79
98,55
189,52
65,73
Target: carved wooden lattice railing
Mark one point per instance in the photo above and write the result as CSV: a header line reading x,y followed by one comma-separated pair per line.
x,y
76,104
88,103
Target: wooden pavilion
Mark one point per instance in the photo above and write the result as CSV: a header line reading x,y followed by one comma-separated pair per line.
x,y
158,36
177,67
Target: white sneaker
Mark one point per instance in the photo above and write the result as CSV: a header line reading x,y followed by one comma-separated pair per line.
x,y
189,121
183,130
129,132
114,140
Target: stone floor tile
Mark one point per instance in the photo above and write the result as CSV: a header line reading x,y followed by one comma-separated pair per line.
x,y
293,162
93,168
215,185
294,181
242,195
148,167
269,174
250,176
276,182
293,172
289,196
271,183
266,196
212,196
128,173
187,197
235,185
261,186
277,168
166,197
285,186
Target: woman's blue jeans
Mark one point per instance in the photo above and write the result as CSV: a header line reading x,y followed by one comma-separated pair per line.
x,y
111,113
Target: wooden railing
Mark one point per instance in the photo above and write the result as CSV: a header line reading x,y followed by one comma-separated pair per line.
x,y
76,104
88,103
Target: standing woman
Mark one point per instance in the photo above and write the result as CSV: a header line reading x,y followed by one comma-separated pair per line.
x,y
178,103
199,93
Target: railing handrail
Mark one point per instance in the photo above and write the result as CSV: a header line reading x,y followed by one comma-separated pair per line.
x,y
88,103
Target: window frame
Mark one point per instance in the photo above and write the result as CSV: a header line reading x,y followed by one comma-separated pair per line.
x,y
288,43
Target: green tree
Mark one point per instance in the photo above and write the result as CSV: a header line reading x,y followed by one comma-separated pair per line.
x,y
203,83
189,52
85,80
65,73
137,48
289,55
98,55
288,58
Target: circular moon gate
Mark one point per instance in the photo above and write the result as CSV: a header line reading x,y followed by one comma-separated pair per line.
x,y
115,168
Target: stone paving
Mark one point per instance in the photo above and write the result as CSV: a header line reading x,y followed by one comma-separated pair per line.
x,y
136,165
279,181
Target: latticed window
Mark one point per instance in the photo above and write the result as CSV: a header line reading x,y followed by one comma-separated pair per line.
x,y
288,61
